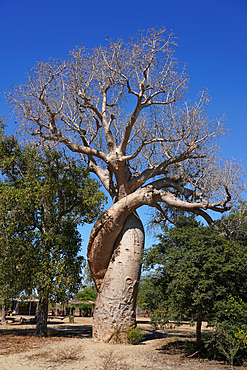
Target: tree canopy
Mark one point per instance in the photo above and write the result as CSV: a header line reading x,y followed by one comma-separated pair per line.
x,y
44,196
196,268
87,294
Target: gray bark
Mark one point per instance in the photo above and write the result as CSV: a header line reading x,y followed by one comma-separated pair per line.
x,y
115,309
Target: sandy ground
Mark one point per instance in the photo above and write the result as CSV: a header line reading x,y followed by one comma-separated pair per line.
x,y
70,347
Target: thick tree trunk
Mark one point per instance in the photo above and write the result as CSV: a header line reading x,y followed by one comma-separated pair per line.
x,y
115,309
41,326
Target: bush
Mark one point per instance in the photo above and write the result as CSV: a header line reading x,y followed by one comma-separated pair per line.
x,y
230,336
134,335
87,294
71,319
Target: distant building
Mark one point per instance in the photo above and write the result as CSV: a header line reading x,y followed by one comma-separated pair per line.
x,y
24,307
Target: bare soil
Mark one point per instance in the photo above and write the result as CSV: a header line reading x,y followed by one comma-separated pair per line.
x,y
69,346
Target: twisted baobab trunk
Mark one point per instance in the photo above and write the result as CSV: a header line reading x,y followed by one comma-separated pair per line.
x,y
117,289
114,253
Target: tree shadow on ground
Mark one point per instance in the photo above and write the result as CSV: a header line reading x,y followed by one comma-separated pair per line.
x,y
65,331
176,347
153,334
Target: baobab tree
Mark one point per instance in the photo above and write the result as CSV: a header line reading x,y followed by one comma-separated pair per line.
x,y
123,110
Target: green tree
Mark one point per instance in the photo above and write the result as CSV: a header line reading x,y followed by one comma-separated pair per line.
x,y
151,292
44,195
196,268
87,294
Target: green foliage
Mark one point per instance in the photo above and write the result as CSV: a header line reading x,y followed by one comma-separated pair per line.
x,y
130,335
150,293
134,335
85,307
71,319
119,335
87,294
195,268
44,196
230,335
159,318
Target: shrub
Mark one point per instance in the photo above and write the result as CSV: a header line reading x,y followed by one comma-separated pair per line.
x,y
61,354
71,319
119,335
111,361
230,336
134,335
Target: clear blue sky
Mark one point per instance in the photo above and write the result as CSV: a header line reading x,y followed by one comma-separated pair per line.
x,y
212,42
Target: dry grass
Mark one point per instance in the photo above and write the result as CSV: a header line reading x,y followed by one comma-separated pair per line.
x,y
110,361
11,344
61,354
70,345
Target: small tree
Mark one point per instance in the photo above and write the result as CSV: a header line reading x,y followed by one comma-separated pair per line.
x,y
87,294
44,196
123,109
196,268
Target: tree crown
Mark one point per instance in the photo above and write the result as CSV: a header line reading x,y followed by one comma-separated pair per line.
x,y
195,268
123,109
44,196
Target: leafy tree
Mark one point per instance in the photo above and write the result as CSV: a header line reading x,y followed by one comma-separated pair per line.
x,y
87,294
151,292
196,268
44,195
123,109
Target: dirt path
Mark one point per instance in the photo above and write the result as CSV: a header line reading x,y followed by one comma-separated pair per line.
x,y
69,346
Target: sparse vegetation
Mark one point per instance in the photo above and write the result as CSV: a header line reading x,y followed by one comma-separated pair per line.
x,y
73,348
62,354
110,361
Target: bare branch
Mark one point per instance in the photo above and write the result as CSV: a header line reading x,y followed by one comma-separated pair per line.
x,y
123,109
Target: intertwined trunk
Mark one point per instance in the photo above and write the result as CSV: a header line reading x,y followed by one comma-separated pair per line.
x,y
115,309
41,326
